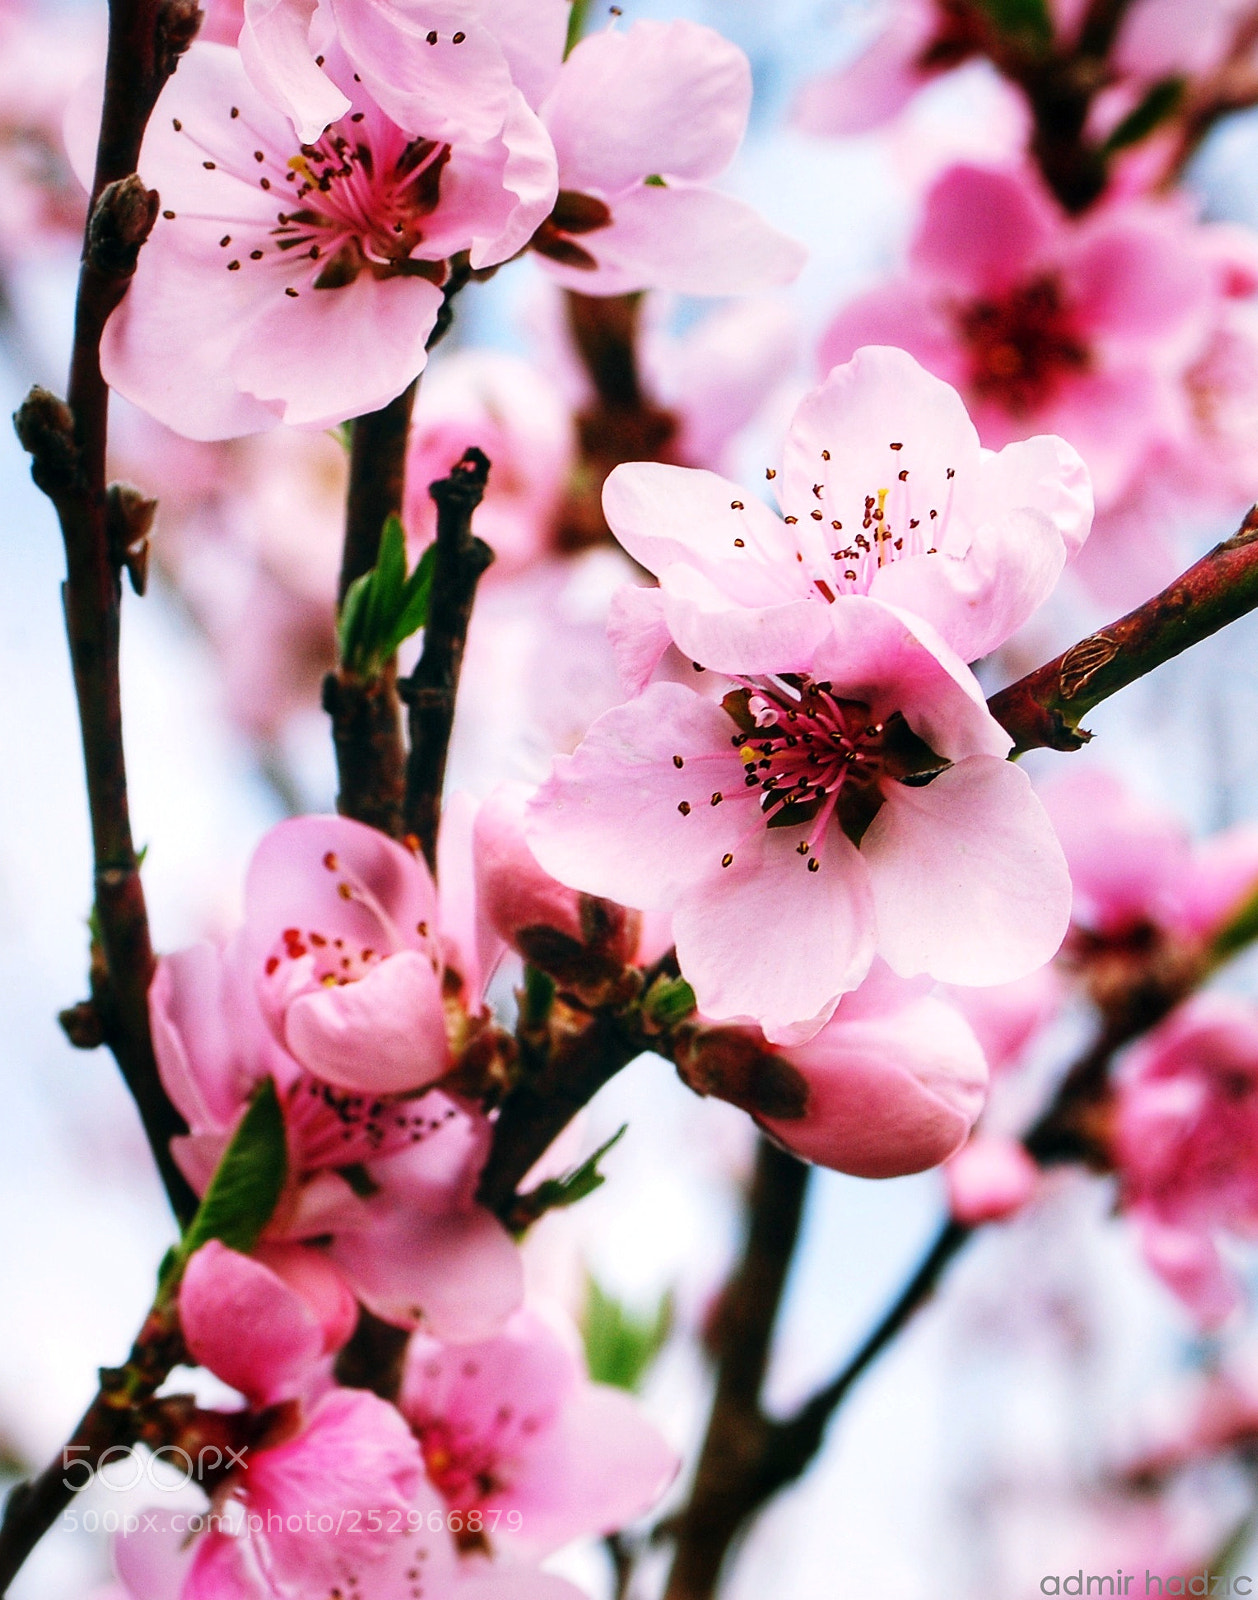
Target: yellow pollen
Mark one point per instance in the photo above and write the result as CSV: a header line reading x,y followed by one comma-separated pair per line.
x,y
878,516
301,166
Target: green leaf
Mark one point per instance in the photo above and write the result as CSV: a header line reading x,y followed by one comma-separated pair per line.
x,y
669,1001
1161,102
553,1193
576,25
619,1347
654,179
243,1192
384,607
1240,929
1029,21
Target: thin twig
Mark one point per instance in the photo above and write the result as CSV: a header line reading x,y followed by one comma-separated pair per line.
x,y
67,445
432,689
1045,707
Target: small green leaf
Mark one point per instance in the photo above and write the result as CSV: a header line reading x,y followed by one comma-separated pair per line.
x,y
576,25
669,1001
553,1193
1240,929
1161,102
539,996
654,179
619,1347
384,607
243,1192
1027,20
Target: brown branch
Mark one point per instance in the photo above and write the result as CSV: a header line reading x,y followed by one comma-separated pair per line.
x,y
621,423
431,690
67,445
1044,708
728,1480
366,715
113,1419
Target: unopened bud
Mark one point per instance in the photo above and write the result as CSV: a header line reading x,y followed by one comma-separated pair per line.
x,y
122,220
45,427
130,521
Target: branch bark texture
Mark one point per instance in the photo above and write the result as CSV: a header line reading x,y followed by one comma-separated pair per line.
x,y
67,446
1045,708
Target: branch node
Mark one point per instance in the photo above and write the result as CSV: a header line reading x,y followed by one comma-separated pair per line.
x,y
178,22
82,1025
129,518
121,221
45,427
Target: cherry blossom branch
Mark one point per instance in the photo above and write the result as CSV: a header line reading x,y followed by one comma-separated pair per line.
x,y
1044,708
432,688
66,442
728,1485
366,716
621,423
114,1419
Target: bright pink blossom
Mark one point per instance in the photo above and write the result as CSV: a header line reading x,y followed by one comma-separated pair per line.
x,y
417,1248
513,1424
1134,866
989,1179
895,1082
315,270
256,1331
1186,1145
777,826
642,122
1082,328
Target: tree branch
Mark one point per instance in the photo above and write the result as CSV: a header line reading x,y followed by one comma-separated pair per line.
x,y
728,1486
113,1419
1044,708
67,446
431,690
366,716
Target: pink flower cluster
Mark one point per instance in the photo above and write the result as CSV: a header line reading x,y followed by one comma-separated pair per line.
x,y
326,185
350,986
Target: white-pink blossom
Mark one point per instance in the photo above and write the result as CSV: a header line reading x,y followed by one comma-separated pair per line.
x,y
842,789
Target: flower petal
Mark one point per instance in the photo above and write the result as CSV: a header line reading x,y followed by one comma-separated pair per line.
x,y
381,1034
769,940
968,879
661,97
608,820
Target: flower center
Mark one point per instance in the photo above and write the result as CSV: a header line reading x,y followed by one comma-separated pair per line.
x,y
1022,346
814,755
364,203
332,1128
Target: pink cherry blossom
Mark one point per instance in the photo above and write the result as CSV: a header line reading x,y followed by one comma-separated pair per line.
x,y
417,1248
895,1081
642,122
1135,868
514,1425
1186,1145
834,692
1007,1017
223,1292
1082,328
316,269
454,67
885,492
990,1178
304,1505
880,81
